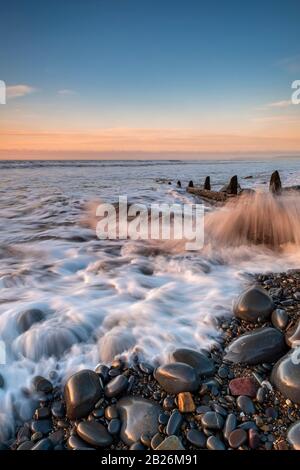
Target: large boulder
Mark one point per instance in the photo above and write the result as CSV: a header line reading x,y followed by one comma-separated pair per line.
x,y
286,376
82,391
254,304
261,345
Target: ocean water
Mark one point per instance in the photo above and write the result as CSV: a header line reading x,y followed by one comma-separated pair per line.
x,y
104,298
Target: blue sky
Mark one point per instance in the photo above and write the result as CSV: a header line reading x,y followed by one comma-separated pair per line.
x,y
207,67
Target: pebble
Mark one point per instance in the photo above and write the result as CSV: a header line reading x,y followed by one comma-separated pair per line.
x,y
94,433
280,318
177,377
44,444
203,365
58,409
42,413
230,425
43,426
253,439
237,438
156,440
163,418
261,395
40,384
137,446
285,376
82,391
116,386
174,423
170,443
185,402
254,304
114,426
243,386
26,445
27,318
146,440
196,438
293,435
245,404
212,420
292,336
214,443
138,416
111,412
76,443
103,371
262,345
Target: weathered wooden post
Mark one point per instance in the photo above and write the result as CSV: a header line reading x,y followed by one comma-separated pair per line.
x,y
178,184
191,184
207,183
275,183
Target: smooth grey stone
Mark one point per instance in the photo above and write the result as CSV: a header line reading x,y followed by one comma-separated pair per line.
x,y
245,404
116,386
212,420
174,423
292,336
58,409
230,425
202,409
247,425
214,443
261,394
27,318
103,371
26,445
156,440
163,418
42,413
170,443
138,416
98,413
177,377
82,391
44,444
57,437
293,435
111,412
203,365
254,304
262,345
219,409
44,426
196,438
76,443
280,318
137,446
285,375
94,433
114,426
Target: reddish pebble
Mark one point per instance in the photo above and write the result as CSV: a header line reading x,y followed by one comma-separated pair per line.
x,y
243,386
253,438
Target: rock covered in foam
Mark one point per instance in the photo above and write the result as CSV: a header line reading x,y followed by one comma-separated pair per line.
x,y
27,318
254,304
82,391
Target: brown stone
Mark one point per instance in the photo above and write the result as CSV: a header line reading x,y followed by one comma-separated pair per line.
x,y
237,438
253,438
185,402
243,386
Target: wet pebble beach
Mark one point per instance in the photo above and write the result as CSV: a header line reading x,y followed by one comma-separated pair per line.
x,y
243,394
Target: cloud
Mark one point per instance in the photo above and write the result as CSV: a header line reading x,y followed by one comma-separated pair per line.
x,y
17,91
66,92
280,104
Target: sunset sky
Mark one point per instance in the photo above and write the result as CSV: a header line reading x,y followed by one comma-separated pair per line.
x,y
111,78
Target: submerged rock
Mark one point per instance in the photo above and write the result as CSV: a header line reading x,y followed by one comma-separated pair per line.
x,y
254,304
138,416
82,391
203,365
286,376
261,345
27,318
177,377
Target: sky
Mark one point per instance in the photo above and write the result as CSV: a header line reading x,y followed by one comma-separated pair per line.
x,y
133,78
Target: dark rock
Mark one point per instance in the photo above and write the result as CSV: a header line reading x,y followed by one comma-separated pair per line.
x,y
44,444
230,425
57,437
280,318
246,405
232,187
293,435
156,440
75,443
37,436
254,304
82,391
237,438
177,377
185,402
114,426
214,443
146,368
116,386
26,445
137,415
292,336
103,371
40,384
275,183
212,420
174,423
27,318
261,394
243,386
253,439
42,413
191,184
44,426
58,409
196,438
202,364
170,443
94,433
262,345
163,418
285,376
168,403
98,413
2,381
137,446
207,184
111,412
